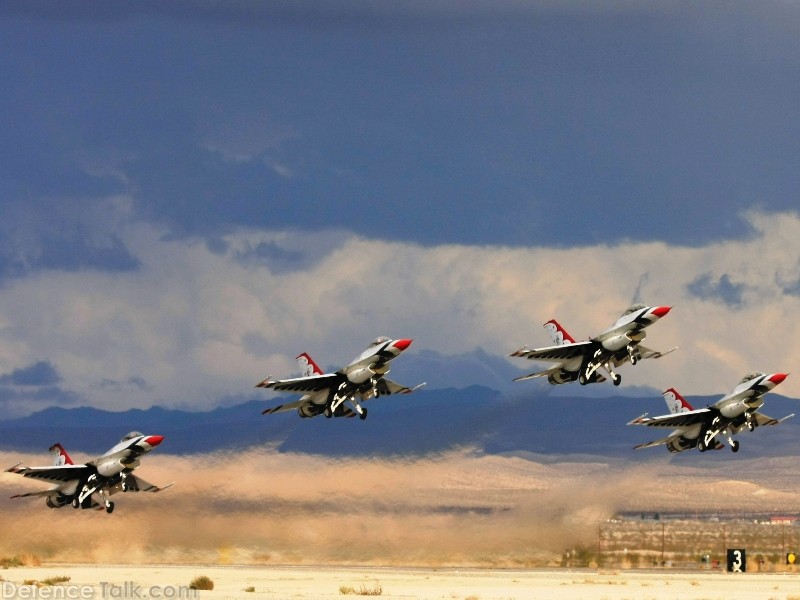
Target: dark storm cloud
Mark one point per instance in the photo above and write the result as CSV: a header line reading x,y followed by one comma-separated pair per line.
x,y
38,374
75,251
135,383
21,401
306,12
527,123
270,254
720,289
60,246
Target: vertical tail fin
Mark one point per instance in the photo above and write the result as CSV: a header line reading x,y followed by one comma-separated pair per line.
x,y
60,456
675,402
307,366
558,334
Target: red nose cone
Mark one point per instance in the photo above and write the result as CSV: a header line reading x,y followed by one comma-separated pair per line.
x,y
660,311
402,344
777,377
154,440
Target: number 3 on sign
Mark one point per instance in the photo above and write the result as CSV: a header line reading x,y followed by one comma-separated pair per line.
x,y
737,561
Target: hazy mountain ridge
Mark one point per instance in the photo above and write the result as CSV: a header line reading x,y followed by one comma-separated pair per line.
x,y
427,421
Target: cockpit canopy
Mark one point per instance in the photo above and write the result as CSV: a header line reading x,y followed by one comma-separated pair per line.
x,y
634,308
379,340
750,377
131,435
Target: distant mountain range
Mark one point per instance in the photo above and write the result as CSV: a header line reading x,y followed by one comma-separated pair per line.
x,y
528,421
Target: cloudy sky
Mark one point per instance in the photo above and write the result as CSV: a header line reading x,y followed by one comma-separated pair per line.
x,y
194,192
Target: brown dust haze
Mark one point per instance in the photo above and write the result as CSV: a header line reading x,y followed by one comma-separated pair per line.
x,y
460,508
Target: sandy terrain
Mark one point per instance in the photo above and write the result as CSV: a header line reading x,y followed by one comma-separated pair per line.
x,y
459,509
279,583
476,527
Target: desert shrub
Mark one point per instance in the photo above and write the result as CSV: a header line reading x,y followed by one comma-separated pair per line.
x,y
20,560
363,590
377,590
250,588
56,580
201,583
14,561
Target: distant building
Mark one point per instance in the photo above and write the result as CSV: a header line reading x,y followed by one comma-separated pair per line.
x,y
788,520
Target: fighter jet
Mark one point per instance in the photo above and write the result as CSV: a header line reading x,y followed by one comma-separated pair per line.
x,y
340,394
90,485
581,360
726,417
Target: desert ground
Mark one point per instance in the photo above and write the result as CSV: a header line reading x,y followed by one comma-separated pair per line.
x,y
457,525
296,583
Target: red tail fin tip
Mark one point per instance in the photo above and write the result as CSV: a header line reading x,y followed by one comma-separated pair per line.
x,y
60,456
307,365
675,402
558,334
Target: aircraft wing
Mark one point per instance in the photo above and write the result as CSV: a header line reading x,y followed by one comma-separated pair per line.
x,y
554,353
682,419
658,442
538,374
645,353
315,383
649,353
547,372
56,474
137,484
50,492
396,388
763,419
286,407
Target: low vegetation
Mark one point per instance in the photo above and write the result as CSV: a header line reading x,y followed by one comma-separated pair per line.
x,y
50,581
56,580
20,560
363,590
201,582
250,588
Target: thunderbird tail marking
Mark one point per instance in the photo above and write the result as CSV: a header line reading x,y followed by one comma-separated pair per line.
x,y
341,394
587,361
706,428
91,485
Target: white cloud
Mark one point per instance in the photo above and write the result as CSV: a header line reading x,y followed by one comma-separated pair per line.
x,y
191,326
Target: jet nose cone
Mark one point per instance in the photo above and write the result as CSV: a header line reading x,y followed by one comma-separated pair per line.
x,y
660,311
402,344
154,440
776,378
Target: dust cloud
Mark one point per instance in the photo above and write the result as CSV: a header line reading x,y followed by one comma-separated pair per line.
x,y
460,508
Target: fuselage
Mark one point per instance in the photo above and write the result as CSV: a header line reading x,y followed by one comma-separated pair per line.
x,y
629,328
126,454
748,395
374,361
729,415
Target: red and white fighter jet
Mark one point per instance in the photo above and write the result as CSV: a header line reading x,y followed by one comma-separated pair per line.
x,y
90,485
726,417
327,393
581,360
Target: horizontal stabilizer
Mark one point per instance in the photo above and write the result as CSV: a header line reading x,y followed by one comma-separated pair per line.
x,y
648,353
658,442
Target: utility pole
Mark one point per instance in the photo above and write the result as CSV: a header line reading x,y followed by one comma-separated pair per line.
x,y
599,546
724,543
783,539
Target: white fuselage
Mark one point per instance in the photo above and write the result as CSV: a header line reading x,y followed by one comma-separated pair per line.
x,y
745,397
373,361
125,455
630,328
